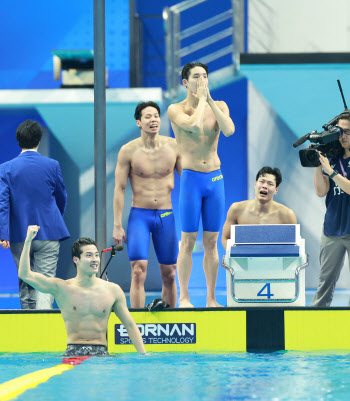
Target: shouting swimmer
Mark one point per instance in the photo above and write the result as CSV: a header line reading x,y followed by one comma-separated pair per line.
x,y
197,122
85,301
261,210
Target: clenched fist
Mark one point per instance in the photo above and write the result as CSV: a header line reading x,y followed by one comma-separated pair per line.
x,y
32,232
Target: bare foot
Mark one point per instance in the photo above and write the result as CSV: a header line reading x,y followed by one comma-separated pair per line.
x,y
185,304
213,304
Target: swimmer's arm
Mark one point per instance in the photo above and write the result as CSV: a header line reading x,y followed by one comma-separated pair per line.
x,y
37,280
121,179
177,150
222,115
188,123
178,164
230,219
121,310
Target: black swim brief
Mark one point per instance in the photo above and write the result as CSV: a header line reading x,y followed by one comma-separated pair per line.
x,y
86,349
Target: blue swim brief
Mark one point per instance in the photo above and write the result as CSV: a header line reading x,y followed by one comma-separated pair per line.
x,y
201,193
159,223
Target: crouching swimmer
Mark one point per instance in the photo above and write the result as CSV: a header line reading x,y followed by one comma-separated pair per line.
x,y
85,301
261,210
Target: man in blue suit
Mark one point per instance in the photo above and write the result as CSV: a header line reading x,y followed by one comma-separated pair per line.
x,y
32,192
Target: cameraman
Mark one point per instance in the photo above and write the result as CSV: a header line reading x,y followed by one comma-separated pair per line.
x,y
331,178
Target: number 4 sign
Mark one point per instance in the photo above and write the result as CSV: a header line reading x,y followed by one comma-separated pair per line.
x,y
267,293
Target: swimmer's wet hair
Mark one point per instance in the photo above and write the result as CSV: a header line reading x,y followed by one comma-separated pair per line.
x,y
273,171
78,244
188,67
143,105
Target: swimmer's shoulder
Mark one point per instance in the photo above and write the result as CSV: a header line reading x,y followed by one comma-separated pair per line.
x,y
176,108
240,206
127,150
286,215
108,288
222,105
170,141
63,286
109,285
115,290
71,282
237,208
131,145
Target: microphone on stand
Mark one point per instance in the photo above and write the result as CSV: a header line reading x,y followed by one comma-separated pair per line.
x,y
117,247
113,249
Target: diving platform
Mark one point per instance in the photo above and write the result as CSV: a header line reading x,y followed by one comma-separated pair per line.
x,y
265,266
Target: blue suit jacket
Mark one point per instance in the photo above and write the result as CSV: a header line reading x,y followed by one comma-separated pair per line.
x,y
32,192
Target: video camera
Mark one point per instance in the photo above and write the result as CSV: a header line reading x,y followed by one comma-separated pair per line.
x,y
327,142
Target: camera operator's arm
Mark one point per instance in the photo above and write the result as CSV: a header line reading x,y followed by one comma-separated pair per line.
x,y
342,182
321,182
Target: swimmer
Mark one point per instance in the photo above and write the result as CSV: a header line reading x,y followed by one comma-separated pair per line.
x,y
197,122
149,162
263,209
85,301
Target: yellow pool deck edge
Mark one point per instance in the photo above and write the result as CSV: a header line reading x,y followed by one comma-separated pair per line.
x,y
216,330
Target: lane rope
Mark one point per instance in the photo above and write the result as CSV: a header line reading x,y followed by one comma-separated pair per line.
x,y
15,387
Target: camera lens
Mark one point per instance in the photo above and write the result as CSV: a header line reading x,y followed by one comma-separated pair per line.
x,y
309,158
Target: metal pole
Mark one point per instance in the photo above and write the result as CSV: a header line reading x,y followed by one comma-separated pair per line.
x,y
176,52
238,31
100,124
135,48
168,29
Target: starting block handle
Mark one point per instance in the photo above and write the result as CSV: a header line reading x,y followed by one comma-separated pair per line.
x,y
226,266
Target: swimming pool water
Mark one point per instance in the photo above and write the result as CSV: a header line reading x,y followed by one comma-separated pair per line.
x,y
283,375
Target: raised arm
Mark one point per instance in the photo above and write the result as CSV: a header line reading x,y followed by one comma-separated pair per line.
x,y
184,121
230,219
121,179
37,280
121,310
222,115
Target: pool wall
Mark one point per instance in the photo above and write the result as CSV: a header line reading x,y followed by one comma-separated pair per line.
x,y
199,330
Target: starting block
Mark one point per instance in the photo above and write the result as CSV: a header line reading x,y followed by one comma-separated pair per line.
x,y
265,266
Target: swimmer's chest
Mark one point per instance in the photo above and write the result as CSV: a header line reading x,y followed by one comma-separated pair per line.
x,y
153,164
249,217
83,303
